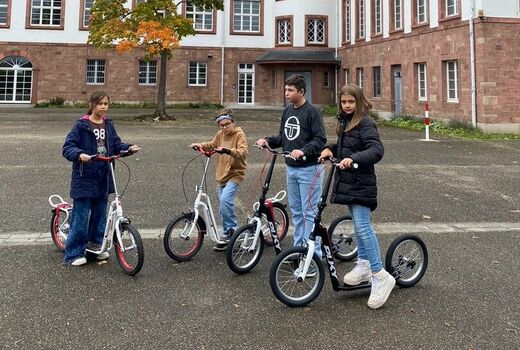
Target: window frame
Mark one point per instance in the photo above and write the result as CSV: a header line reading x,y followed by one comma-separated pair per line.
x,y
443,10
420,96
213,29
326,79
416,14
447,80
393,16
309,18
376,82
29,13
347,21
360,77
96,71
374,14
361,20
7,23
278,20
82,11
232,30
197,73
147,73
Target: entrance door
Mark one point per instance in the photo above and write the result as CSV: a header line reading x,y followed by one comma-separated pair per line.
x,y
308,81
397,90
15,80
246,83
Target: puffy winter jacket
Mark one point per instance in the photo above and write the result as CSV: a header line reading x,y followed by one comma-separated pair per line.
x,y
91,179
363,145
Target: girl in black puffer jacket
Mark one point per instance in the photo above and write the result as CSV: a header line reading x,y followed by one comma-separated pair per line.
x,y
359,143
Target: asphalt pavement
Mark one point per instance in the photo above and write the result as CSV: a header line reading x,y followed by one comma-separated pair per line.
x,y
462,197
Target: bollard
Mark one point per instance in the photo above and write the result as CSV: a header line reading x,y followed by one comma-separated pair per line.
x,y
427,121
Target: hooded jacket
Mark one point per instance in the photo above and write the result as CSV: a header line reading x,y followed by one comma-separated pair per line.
x,y
230,166
363,145
90,179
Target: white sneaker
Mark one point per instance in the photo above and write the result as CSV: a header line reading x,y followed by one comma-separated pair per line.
x,y
360,273
382,285
79,261
102,256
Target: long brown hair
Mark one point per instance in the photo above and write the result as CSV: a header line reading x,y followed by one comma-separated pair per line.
x,y
95,98
363,105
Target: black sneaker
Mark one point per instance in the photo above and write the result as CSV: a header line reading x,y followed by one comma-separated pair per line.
x,y
223,245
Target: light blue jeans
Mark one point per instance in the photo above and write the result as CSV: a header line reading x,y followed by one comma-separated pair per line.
x,y
87,224
303,208
226,195
368,245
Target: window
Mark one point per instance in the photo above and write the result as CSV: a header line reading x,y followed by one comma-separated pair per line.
x,y
398,15
15,80
46,12
4,13
422,92
347,75
198,74
360,78
326,79
316,28
451,7
85,13
147,72
347,21
378,16
95,72
452,81
361,19
421,11
246,16
202,18
376,82
284,31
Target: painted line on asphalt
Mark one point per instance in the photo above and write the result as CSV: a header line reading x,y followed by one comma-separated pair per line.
x,y
22,238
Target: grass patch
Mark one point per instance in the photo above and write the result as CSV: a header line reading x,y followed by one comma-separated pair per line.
x,y
451,128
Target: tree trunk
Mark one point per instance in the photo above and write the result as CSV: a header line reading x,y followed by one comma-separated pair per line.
x,y
160,109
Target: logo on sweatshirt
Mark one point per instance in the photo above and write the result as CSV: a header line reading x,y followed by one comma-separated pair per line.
x,y
292,128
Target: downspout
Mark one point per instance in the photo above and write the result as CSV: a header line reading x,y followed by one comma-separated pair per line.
x,y
472,68
222,56
336,51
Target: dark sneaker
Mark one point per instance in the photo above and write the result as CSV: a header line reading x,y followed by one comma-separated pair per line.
x,y
222,245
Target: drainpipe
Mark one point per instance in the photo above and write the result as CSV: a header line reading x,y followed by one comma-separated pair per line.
x,y
472,69
222,55
336,50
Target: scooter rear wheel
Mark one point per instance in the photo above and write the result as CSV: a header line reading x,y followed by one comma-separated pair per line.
x,y
407,260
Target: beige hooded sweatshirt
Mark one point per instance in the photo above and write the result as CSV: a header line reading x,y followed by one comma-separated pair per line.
x,y
230,166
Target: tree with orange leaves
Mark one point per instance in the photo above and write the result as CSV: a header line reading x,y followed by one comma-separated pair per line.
x,y
157,26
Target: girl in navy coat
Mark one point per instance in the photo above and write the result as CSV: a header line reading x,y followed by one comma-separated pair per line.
x,y
91,182
359,142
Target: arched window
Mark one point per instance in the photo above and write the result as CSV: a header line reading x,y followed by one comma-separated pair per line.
x,y
15,80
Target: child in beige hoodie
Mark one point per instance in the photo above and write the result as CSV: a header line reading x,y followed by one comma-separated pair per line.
x,y
230,141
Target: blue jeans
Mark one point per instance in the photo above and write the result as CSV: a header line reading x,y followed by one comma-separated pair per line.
x,y
85,228
368,245
303,208
226,195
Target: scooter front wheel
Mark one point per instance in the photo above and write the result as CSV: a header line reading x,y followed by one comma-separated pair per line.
x,y
179,243
60,225
285,283
241,255
130,252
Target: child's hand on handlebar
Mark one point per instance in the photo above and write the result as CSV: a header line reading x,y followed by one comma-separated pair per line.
x,y
83,157
195,145
297,154
261,143
223,150
134,149
325,154
345,163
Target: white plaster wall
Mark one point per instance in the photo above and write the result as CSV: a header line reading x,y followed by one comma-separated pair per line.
x,y
494,8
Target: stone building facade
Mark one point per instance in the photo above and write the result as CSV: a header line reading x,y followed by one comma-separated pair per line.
x,y
404,53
